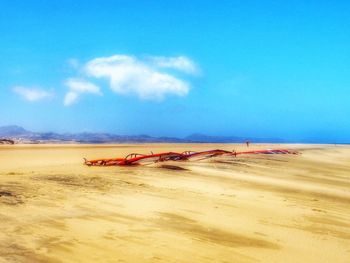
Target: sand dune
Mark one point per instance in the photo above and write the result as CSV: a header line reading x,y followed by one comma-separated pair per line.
x,y
266,208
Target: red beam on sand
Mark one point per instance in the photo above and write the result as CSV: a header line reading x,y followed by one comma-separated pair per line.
x,y
135,158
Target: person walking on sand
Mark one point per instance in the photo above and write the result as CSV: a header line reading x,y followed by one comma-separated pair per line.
x,y
247,143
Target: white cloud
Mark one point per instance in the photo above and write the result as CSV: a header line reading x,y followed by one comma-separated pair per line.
x,y
70,98
180,63
143,78
32,94
78,87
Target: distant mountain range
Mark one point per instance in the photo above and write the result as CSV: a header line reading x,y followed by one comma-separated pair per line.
x,y
19,134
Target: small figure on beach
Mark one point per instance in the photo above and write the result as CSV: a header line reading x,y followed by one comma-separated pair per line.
x,y
247,143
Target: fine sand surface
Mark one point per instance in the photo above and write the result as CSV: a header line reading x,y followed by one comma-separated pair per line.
x,y
262,208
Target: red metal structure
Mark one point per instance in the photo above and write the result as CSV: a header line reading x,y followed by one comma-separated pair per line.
x,y
269,151
205,154
136,158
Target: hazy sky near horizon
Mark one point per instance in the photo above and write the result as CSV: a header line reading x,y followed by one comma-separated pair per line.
x,y
172,68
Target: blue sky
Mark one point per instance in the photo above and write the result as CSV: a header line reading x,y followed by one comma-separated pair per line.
x,y
172,68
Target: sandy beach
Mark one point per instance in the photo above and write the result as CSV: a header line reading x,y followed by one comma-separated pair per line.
x,y
266,208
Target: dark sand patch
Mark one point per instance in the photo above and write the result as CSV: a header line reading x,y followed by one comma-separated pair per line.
x,y
78,181
214,235
12,252
173,167
11,194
